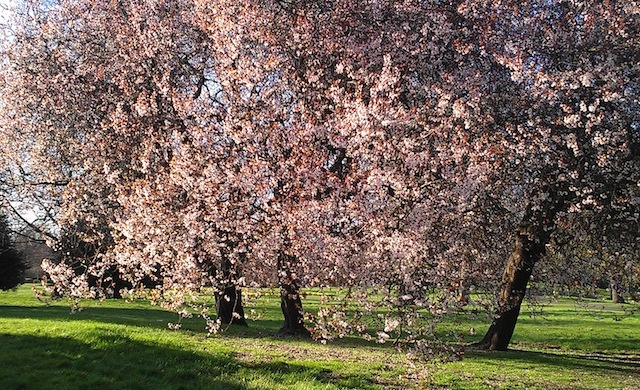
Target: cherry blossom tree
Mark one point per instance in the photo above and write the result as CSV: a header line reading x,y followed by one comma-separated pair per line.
x,y
578,63
45,168
499,119
406,149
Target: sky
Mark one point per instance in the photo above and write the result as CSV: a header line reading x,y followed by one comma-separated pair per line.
x,y
3,6
27,214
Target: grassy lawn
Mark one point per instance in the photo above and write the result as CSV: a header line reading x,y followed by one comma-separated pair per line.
x,y
120,345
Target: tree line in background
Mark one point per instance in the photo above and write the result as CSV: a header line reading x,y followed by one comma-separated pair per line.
x,y
411,150
12,263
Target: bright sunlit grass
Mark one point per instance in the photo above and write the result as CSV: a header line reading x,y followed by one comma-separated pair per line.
x,y
568,344
120,345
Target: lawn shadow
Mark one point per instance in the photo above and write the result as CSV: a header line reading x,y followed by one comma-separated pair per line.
x,y
123,316
626,364
158,319
118,362
61,362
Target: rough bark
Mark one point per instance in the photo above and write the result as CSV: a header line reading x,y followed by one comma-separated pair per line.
x,y
527,250
290,301
291,306
229,307
531,239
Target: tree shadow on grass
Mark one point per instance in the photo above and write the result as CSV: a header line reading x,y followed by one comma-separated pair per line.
x,y
151,317
117,362
123,316
32,362
605,363
158,319
587,334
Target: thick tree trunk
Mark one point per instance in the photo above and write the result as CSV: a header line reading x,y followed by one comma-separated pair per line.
x,y
229,307
290,301
531,239
526,252
291,306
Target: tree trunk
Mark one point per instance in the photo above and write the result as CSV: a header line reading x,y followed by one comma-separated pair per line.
x,y
526,252
229,307
290,301
532,236
291,306
616,290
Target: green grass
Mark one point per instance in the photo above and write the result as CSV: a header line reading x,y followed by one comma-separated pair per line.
x,y
586,345
120,345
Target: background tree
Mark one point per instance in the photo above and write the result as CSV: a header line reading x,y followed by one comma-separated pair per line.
x,y
12,264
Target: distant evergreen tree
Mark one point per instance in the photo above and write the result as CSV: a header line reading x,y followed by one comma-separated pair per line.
x,y
12,264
